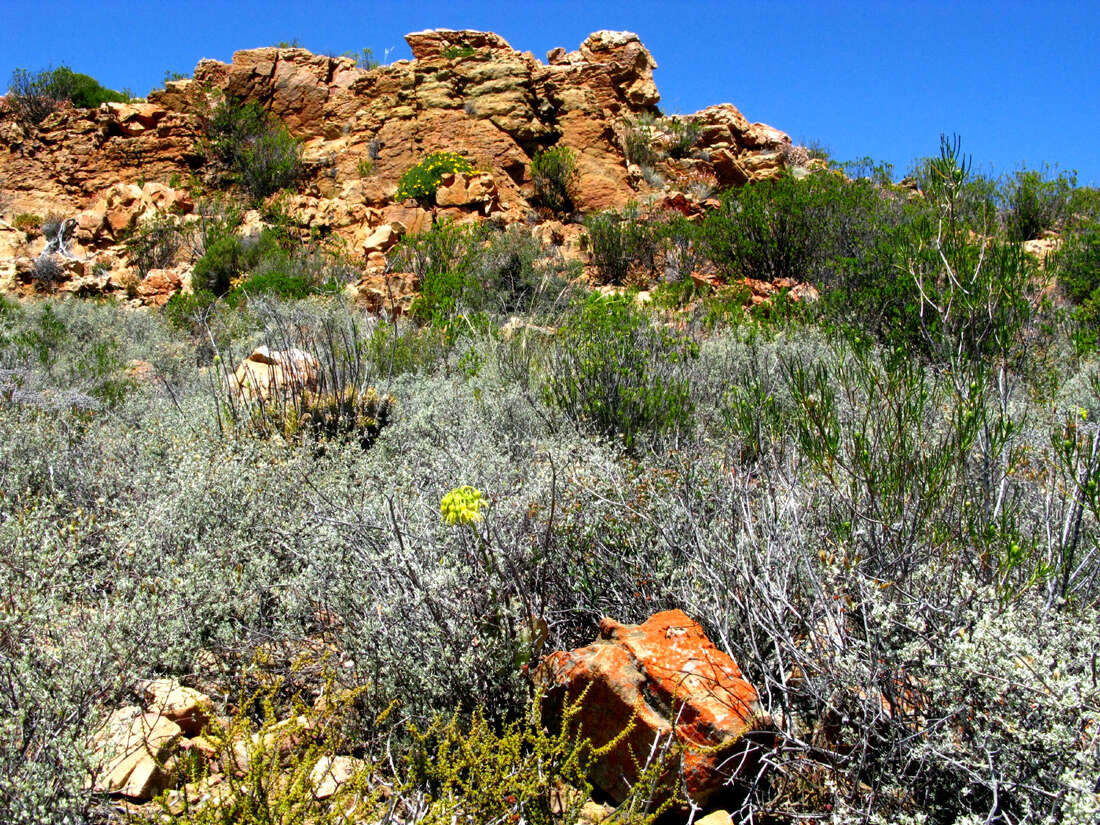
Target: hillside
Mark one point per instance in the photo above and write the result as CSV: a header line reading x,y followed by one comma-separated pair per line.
x,y
465,441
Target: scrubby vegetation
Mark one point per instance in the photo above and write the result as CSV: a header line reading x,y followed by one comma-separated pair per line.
x,y
883,503
554,177
251,147
33,96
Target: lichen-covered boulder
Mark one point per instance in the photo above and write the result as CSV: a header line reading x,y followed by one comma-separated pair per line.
x,y
667,675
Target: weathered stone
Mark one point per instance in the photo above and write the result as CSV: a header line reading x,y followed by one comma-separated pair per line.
x,y
268,373
675,683
332,772
132,753
379,240
158,286
185,706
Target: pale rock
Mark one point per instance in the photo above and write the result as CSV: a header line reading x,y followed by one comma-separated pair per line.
x,y
332,772
379,240
185,706
267,374
132,753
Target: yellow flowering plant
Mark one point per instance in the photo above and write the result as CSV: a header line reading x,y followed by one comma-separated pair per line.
x,y
421,181
463,505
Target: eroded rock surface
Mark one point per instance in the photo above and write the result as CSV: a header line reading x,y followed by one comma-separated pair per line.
x,y
118,167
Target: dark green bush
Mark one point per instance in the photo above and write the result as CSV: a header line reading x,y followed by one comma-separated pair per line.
x,y
228,257
622,244
554,175
34,96
252,147
772,229
285,284
1035,202
611,371
421,181
1076,266
155,243
471,269
223,262
1077,262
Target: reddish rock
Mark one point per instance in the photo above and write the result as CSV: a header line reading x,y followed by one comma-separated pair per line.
x,y
679,684
159,286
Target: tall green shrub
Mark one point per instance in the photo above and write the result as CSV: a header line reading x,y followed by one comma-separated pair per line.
x,y
1035,202
611,371
253,147
554,176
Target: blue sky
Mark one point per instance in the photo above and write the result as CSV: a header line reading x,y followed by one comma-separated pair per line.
x,y
1020,82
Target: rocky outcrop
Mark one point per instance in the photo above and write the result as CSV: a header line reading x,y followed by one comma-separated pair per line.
x,y
667,677
465,91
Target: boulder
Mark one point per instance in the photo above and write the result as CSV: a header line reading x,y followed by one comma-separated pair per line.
x,y
380,239
669,677
467,189
132,753
185,706
631,64
158,286
267,374
332,772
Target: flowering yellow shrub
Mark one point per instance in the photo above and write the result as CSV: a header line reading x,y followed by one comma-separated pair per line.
x,y
462,506
422,180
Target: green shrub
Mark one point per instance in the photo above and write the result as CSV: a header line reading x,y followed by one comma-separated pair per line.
x,y
27,223
1035,202
771,229
974,200
1076,266
223,262
457,52
622,244
683,134
156,243
35,96
516,275
1077,262
285,284
253,147
611,371
639,135
183,308
554,175
421,181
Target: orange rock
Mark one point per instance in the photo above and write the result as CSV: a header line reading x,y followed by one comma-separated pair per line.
x,y
158,286
679,685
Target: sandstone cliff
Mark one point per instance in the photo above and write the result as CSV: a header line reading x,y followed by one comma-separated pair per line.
x,y
465,91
